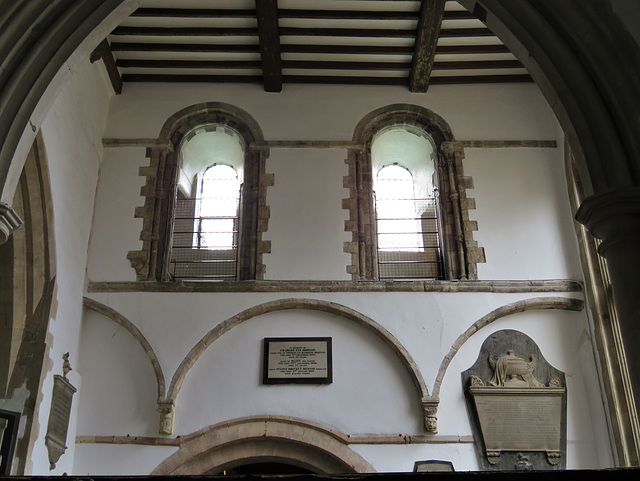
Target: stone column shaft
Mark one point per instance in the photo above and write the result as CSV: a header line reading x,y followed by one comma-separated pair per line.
x,y
614,218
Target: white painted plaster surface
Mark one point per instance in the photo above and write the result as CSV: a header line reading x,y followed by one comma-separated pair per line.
x,y
306,228
72,133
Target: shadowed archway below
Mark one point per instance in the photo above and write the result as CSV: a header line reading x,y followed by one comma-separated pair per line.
x,y
260,439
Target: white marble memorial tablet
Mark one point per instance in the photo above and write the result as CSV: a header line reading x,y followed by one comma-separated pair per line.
x,y
297,360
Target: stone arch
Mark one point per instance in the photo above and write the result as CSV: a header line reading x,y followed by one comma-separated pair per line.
x,y
536,303
286,304
122,321
183,121
263,438
27,300
460,253
403,114
152,261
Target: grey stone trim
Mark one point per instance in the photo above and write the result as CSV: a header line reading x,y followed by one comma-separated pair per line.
x,y
344,144
368,439
306,144
500,144
112,143
501,286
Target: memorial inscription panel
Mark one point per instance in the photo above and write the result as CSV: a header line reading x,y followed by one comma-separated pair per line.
x,y
517,403
516,421
56,437
301,360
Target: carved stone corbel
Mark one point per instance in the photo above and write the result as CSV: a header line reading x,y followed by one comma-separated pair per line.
x,y
9,222
430,414
166,408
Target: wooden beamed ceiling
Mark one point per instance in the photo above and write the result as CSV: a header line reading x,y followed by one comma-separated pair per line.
x,y
274,42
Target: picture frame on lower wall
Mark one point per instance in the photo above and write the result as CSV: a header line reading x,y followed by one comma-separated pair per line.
x,y
297,360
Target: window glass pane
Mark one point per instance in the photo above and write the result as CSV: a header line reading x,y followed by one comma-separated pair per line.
x,y
398,225
217,209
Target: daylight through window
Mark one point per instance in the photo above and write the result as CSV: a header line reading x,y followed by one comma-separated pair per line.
x,y
206,228
406,205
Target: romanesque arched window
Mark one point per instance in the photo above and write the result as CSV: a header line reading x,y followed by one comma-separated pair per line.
x,y
408,205
205,208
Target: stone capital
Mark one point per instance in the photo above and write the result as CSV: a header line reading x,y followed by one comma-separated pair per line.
x,y
613,217
9,222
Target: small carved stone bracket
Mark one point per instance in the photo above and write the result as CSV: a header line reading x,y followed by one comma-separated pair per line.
x,y
517,405
9,221
56,437
166,408
430,414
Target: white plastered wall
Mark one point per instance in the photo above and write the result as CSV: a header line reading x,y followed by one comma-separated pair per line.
x,y
72,134
524,226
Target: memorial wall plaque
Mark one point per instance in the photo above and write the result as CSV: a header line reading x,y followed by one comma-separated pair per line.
x,y
300,360
56,437
517,405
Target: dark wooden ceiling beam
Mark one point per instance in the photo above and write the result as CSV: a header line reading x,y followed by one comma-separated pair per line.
x,y
186,31
368,15
194,13
103,52
293,13
316,64
269,39
326,79
189,64
427,35
445,80
381,32
174,78
183,47
302,48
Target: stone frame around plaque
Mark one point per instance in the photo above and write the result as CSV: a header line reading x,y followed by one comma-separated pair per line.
x,y
517,405
297,360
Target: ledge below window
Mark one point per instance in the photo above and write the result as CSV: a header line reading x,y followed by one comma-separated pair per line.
x,y
496,286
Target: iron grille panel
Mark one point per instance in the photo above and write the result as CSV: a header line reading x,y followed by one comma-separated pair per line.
x,y
203,247
408,239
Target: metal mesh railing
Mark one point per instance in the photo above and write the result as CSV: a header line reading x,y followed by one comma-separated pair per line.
x,y
408,239
203,247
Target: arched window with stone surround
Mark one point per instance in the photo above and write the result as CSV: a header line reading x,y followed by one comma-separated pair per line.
x,y
431,239
206,225
205,199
